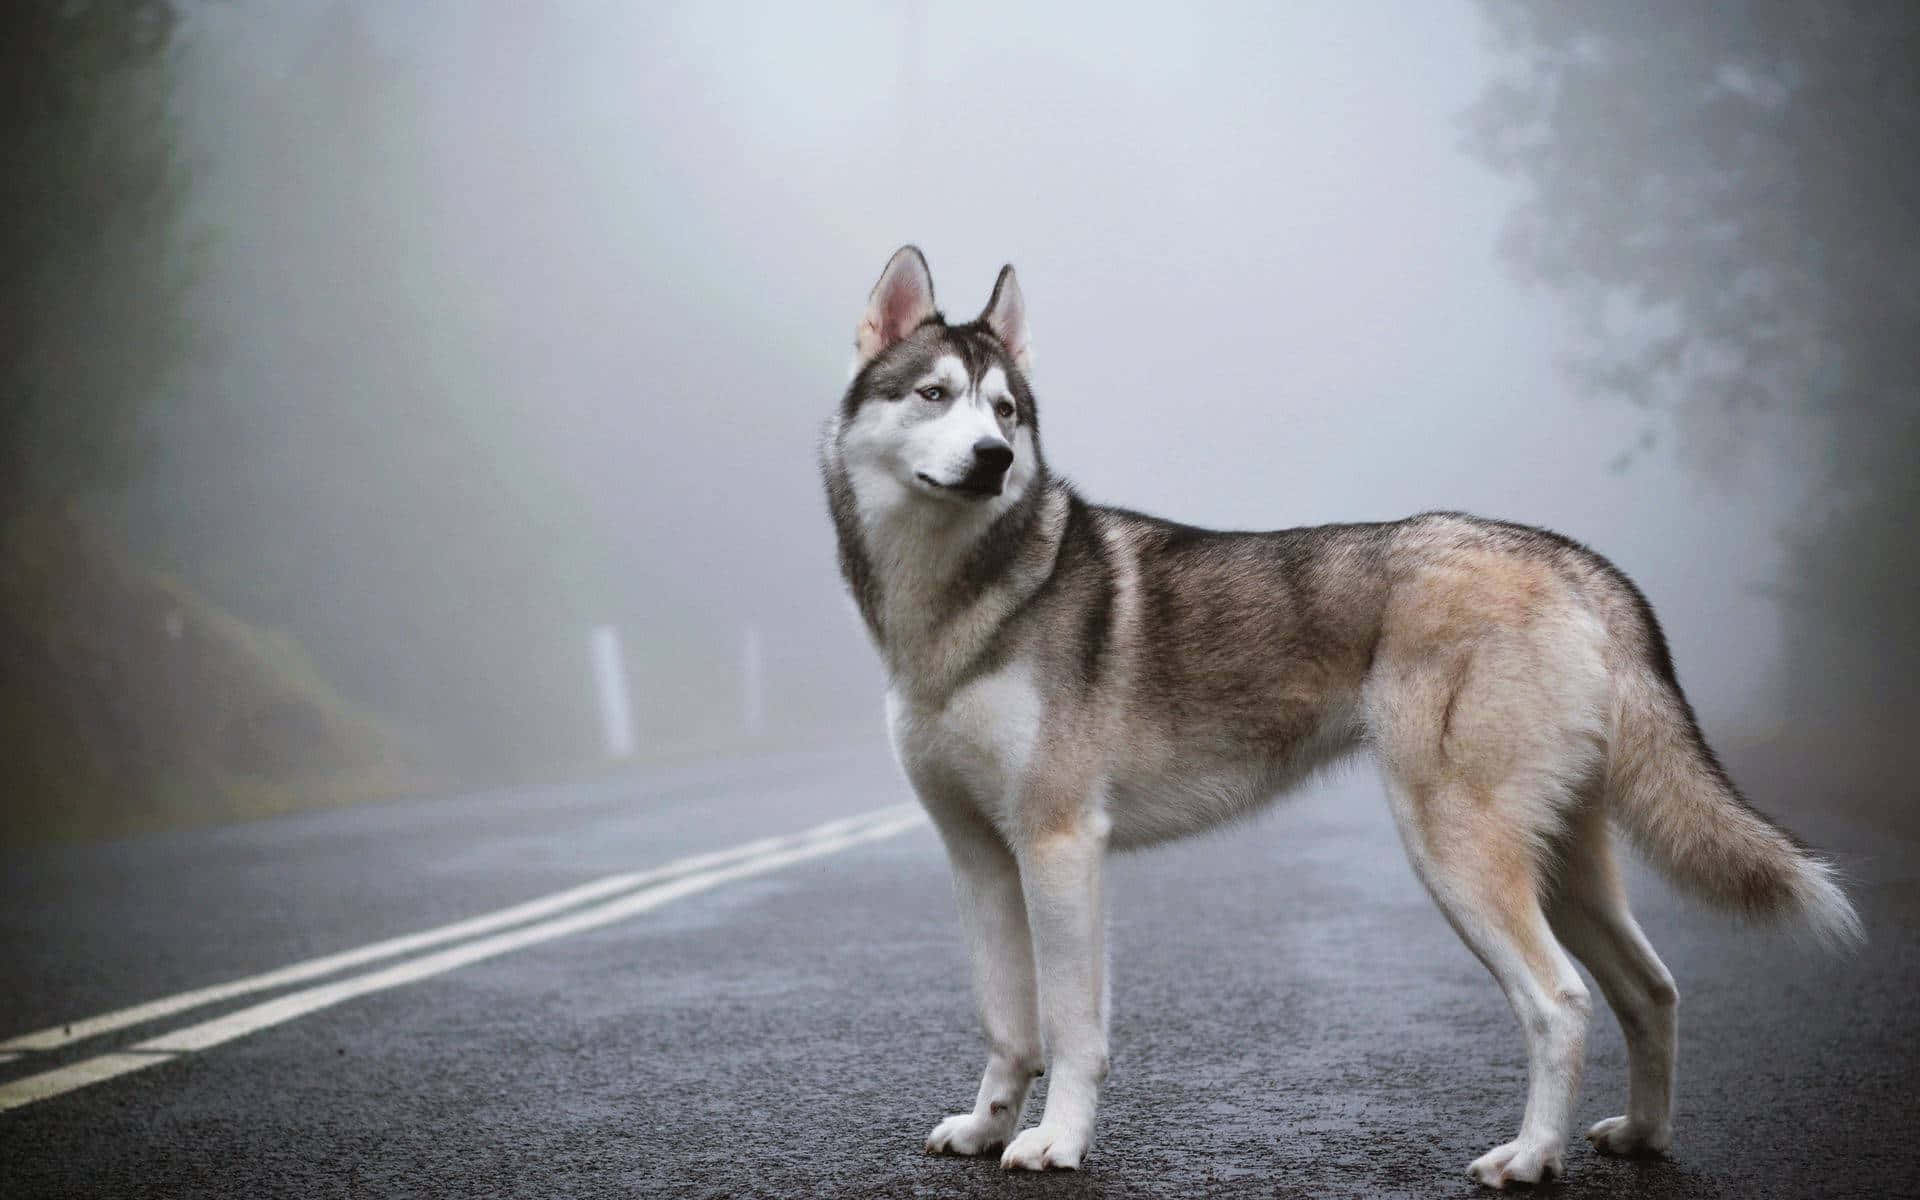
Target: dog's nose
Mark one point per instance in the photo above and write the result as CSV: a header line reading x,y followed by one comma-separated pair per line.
x,y
992,455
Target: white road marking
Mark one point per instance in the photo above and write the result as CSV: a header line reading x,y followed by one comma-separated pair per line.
x,y
79,1075
297,1004
7,1058
60,1035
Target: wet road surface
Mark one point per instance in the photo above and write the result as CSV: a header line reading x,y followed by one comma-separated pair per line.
x,y
1292,1017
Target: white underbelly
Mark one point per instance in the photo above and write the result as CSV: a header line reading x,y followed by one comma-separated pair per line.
x,y
1175,793
977,749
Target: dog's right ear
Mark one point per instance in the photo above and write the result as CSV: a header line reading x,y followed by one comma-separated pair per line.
x,y
900,301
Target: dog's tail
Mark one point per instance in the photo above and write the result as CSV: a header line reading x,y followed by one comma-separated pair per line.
x,y
1668,791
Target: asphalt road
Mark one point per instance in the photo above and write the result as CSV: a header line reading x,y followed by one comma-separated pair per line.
x,y
1292,1017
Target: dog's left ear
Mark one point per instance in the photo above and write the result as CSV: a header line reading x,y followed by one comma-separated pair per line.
x,y
1006,315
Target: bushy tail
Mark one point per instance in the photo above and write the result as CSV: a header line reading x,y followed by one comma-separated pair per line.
x,y
1669,793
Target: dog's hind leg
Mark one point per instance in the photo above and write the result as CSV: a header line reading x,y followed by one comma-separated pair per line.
x,y
1589,911
1482,868
993,916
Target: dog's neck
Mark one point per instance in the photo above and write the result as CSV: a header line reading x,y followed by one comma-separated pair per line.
x,y
936,581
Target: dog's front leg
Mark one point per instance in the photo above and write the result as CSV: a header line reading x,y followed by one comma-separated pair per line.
x,y
993,916
1060,874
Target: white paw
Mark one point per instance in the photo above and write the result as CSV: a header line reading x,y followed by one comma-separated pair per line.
x,y
966,1133
1046,1148
1618,1135
1520,1161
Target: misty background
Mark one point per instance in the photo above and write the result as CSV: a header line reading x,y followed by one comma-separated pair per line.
x,y
359,359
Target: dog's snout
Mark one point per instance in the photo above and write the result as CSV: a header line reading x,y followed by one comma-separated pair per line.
x,y
992,454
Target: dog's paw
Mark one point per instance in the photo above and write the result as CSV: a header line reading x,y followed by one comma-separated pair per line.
x,y
1046,1148
1619,1135
968,1133
1520,1161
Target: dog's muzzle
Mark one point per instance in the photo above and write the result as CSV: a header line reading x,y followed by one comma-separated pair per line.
x,y
991,458
986,477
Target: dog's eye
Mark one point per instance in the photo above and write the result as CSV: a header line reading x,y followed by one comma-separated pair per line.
x,y
934,392
1004,410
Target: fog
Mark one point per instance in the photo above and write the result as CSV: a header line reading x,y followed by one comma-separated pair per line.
x,y
500,322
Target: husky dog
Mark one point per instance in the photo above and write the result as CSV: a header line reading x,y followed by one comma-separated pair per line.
x,y
1069,679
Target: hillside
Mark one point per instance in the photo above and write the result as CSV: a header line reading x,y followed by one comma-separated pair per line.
x,y
129,703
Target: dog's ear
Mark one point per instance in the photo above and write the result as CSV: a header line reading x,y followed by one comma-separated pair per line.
x,y
900,301
1006,315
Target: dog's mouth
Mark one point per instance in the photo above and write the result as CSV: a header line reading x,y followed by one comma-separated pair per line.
x,y
973,487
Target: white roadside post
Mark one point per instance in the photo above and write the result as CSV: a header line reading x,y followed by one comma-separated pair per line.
x,y
610,681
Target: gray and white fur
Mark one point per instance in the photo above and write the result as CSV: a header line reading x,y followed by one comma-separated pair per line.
x,y
1068,679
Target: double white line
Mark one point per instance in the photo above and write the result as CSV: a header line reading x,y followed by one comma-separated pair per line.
x,y
618,896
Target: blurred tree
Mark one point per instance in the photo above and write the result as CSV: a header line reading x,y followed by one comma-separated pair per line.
x,y
129,701
1729,194
90,263
359,467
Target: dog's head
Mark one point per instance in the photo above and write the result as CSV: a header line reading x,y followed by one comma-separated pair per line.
x,y
939,414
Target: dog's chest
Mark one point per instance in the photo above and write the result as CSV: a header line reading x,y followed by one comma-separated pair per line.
x,y
979,741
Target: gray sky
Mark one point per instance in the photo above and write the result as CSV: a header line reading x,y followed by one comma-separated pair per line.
x,y
1261,275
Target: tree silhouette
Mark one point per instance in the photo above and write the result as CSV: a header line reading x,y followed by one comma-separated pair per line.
x,y
358,468
90,264
1729,195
